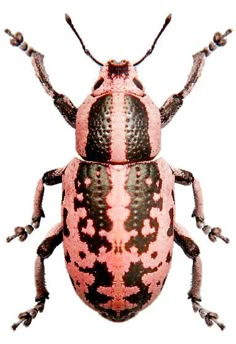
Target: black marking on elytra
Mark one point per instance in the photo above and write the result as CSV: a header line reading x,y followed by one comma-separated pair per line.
x,y
137,137
173,196
187,244
118,316
63,196
170,231
102,278
66,230
94,201
82,254
99,128
142,202
168,257
67,257
133,278
72,281
163,283
160,203
154,254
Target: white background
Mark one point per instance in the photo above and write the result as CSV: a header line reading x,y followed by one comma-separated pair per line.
x,y
34,139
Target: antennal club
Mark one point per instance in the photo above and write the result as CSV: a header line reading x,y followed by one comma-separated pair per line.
x,y
87,52
167,21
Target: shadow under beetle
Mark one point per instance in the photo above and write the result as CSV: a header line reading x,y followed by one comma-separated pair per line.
x,y
118,208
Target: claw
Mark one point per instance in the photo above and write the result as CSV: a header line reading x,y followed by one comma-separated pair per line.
x,y
27,317
21,232
209,317
17,40
214,233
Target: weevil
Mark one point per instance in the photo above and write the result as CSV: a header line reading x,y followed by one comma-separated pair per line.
x,y
118,208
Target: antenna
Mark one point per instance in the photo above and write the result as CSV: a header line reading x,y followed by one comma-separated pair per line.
x,y
167,21
87,52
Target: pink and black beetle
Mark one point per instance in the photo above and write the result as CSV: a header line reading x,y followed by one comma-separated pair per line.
x,y
118,207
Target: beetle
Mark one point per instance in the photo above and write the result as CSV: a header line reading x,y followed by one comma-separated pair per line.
x,y
118,207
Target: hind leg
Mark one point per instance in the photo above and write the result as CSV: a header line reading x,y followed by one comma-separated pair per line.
x,y
53,239
183,239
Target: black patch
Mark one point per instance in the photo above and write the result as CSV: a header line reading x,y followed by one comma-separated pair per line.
x,y
99,127
82,254
170,231
52,177
117,69
154,254
118,316
160,203
169,109
168,257
137,137
133,278
138,83
142,202
102,277
94,200
72,281
98,84
66,108
66,231
188,245
49,245
173,195
67,257
184,177
163,283
63,196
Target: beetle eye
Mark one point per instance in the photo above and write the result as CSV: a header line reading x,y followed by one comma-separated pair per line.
x,y
98,83
138,83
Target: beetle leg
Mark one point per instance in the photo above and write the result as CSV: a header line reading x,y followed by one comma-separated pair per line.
x,y
53,239
174,102
186,178
62,103
183,239
52,177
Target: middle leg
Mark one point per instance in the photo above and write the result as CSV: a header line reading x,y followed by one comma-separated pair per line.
x,y
52,177
186,178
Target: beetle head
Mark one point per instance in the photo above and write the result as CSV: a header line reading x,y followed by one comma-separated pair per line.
x,y
118,77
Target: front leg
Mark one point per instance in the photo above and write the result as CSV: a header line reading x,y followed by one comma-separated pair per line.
x,y
174,102
62,103
52,177
186,178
